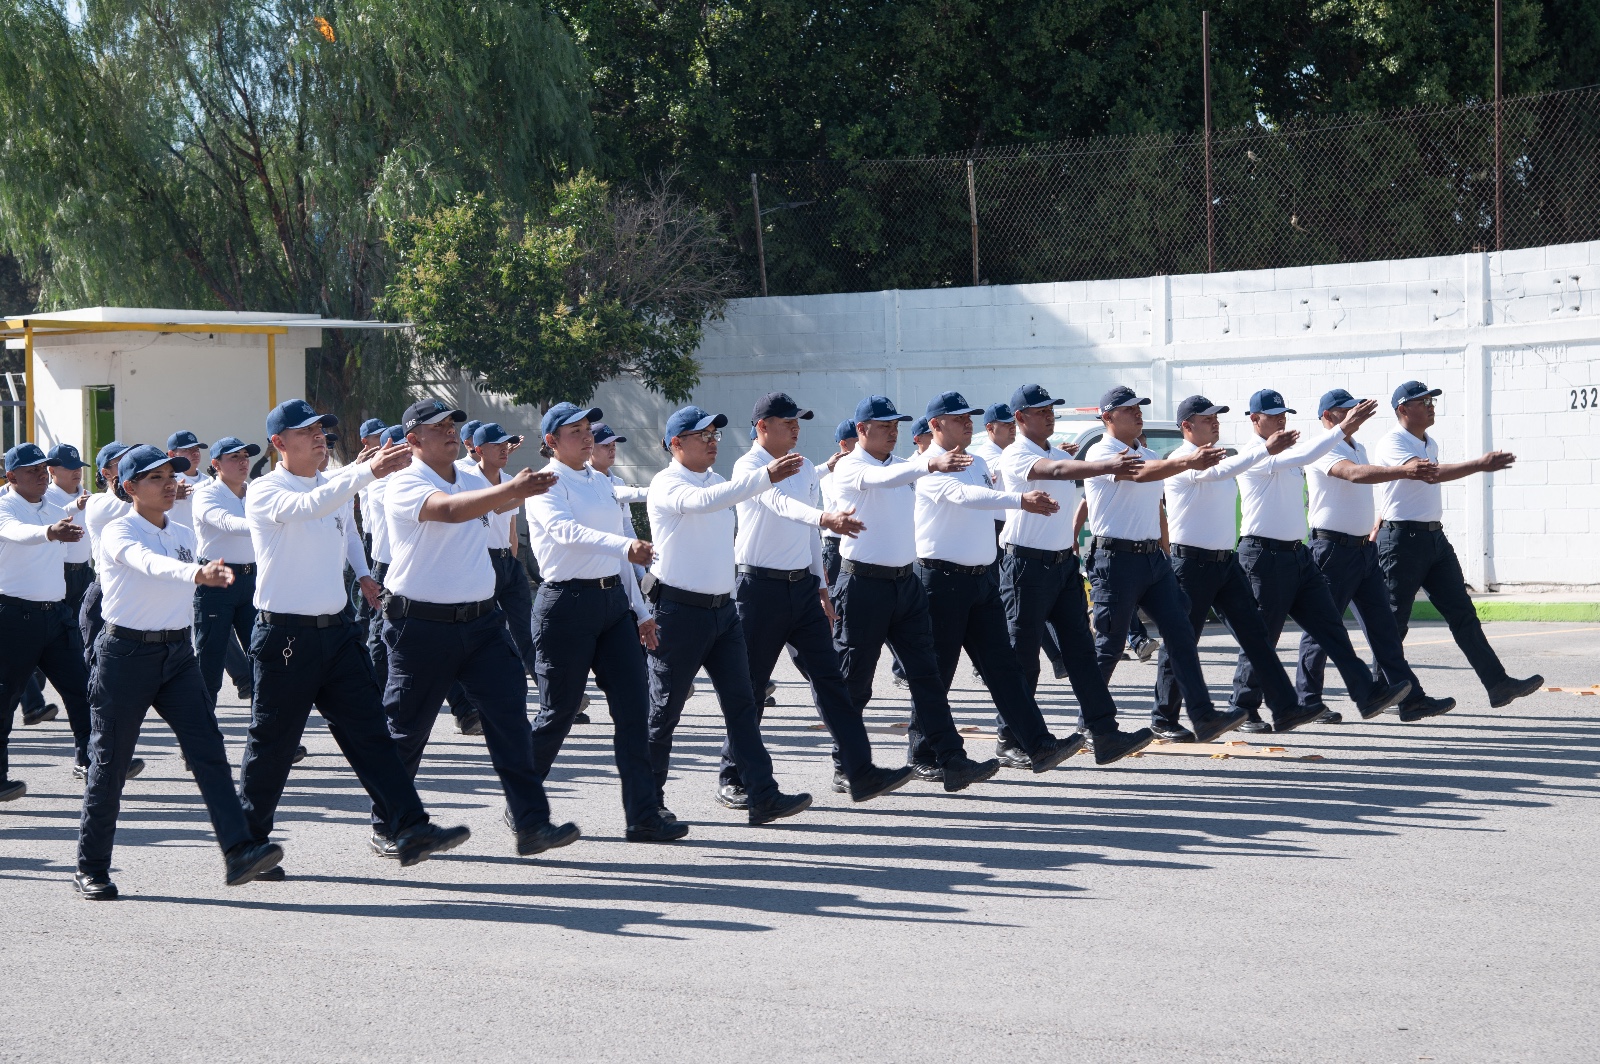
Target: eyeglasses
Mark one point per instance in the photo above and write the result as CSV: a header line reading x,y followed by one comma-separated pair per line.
x,y
708,436
1420,402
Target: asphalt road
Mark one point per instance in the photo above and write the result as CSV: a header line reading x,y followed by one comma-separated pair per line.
x,y
1419,893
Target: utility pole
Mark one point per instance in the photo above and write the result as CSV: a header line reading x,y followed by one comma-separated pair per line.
x,y
972,209
1205,77
761,251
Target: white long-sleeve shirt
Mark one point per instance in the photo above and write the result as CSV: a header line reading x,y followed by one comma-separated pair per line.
x,y
827,500
148,582
1272,490
377,524
1122,509
578,531
884,497
1036,531
102,509
220,528
183,509
1202,503
72,553
355,555
691,521
955,513
778,527
991,453
297,525
30,561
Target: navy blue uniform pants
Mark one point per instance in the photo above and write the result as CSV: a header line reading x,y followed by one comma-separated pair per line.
x,y
42,636
873,612
578,629
778,612
425,659
514,592
967,614
692,638
1413,560
299,667
1355,581
1125,581
1219,583
129,680
90,622
377,653
1287,583
1042,596
221,615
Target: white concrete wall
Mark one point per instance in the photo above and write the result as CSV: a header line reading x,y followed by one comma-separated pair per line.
x,y
1512,338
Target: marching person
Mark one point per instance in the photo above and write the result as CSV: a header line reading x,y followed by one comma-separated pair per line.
x,y
1285,580
222,534
1127,567
1040,583
371,433
444,626
102,508
1412,549
697,624
1342,515
781,600
999,432
845,437
605,458
306,649
67,491
186,445
493,446
37,627
1201,504
955,562
588,615
146,660
921,434
879,600
371,498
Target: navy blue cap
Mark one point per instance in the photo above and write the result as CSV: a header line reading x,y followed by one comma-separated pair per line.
x,y
846,431
429,412
1121,395
372,426
143,458
467,430
1031,395
491,432
1268,401
233,445
691,419
1198,404
1413,390
181,439
108,454
331,437
879,408
66,456
296,414
392,434
604,433
778,404
566,414
946,404
998,414
920,427
1338,399
24,455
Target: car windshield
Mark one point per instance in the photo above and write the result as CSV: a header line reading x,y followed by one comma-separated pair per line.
x,y
1163,441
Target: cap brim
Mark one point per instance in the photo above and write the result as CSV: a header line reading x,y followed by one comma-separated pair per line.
x,y
443,415
897,417
612,439
502,439
179,465
250,449
1046,402
1275,411
11,468
327,421
710,421
67,463
1213,409
1135,401
1344,405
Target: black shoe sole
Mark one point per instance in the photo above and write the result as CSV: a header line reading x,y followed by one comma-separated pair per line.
x,y
275,874
1014,760
675,831
566,838
1282,725
382,849
1134,749
47,715
1411,716
899,779
135,767
987,770
741,804
1530,687
108,893
440,845
767,816
1396,696
13,791
300,755
239,877
582,718
1182,736
1071,747
1220,727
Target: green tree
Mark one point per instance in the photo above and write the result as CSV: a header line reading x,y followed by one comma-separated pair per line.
x,y
213,154
545,308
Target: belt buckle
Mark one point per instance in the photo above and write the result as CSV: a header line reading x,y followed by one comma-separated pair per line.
x,y
795,575
461,613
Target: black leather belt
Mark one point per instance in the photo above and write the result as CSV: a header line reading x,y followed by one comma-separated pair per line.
x,y
792,576
246,568
688,598
76,566
1129,546
398,606
1272,544
171,635
1344,539
302,620
28,604
1416,526
499,552
1034,554
1183,550
939,565
876,572
599,582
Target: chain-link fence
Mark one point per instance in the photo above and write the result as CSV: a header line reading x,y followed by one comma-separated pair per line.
x,y
1394,185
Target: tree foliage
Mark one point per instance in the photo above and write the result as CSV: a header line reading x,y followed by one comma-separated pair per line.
x,y
545,307
250,156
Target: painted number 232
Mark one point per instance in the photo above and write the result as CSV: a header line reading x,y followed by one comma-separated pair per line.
x,y
1585,398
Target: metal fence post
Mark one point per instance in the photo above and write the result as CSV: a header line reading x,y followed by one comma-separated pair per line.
x,y
1499,244
972,209
1205,76
761,251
